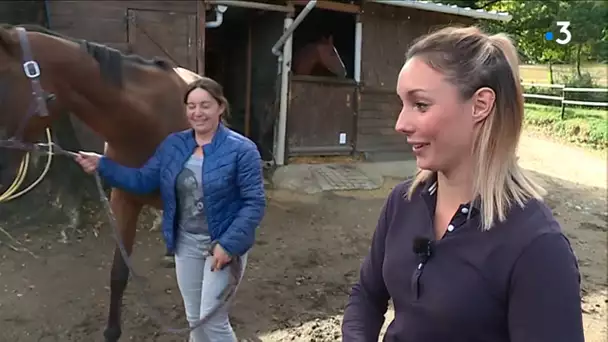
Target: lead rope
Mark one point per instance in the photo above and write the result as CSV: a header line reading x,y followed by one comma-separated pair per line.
x,y
225,297
235,266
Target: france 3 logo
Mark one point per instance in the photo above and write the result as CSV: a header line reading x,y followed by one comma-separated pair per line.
x,y
565,34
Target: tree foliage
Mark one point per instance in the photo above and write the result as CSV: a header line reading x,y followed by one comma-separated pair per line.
x,y
533,18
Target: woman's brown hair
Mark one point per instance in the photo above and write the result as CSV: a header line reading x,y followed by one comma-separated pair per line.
x,y
214,89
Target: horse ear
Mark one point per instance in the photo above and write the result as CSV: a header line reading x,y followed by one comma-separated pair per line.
x,y
7,38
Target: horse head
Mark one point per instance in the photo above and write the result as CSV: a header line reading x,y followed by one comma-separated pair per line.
x,y
329,56
19,112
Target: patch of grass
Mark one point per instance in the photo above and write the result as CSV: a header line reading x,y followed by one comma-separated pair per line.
x,y
585,127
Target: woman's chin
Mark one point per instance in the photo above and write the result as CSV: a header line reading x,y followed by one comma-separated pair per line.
x,y
424,164
201,128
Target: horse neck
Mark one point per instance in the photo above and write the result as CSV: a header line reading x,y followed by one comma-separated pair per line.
x,y
80,88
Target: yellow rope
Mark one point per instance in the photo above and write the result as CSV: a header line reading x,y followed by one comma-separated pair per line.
x,y
11,193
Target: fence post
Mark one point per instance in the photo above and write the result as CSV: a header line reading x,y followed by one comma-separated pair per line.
x,y
562,115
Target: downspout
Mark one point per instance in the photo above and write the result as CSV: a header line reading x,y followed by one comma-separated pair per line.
x,y
284,60
219,17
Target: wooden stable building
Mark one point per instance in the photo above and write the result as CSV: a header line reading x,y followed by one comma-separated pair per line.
x,y
235,42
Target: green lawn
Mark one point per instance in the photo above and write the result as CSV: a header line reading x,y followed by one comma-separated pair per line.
x,y
586,127
539,73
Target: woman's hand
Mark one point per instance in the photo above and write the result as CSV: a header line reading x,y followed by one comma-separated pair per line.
x,y
88,161
220,258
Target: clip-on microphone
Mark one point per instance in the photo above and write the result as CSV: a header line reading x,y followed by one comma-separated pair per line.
x,y
423,248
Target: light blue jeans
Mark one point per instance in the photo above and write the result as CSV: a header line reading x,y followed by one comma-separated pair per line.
x,y
200,287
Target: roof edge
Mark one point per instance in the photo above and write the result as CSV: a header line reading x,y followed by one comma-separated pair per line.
x,y
449,9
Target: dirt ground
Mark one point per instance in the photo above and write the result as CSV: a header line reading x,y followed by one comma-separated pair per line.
x,y
307,255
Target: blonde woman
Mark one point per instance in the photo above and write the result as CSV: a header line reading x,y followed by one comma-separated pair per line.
x,y
467,250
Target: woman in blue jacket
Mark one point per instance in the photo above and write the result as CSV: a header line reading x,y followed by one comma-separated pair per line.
x,y
212,189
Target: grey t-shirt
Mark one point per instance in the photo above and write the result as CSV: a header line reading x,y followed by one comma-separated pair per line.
x,y
192,218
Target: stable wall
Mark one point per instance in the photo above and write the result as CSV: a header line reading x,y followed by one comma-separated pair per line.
x,y
108,23
388,31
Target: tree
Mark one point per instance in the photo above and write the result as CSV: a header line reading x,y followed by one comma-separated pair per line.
x,y
587,22
533,18
474,4
531,21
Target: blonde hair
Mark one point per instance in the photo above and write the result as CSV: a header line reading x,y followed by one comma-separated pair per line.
x,y
471,59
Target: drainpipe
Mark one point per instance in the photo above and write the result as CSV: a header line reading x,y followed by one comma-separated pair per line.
x,y
284,60
219,17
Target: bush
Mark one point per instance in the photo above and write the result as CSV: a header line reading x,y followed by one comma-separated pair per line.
x,y
572,81
585,80
582,127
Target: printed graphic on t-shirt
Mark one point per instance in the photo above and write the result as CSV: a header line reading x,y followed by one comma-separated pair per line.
x,y
190,201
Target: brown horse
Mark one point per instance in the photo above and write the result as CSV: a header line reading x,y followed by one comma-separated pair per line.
x,y
319,58
131,102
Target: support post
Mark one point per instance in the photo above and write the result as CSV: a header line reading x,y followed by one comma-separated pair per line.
x,y
285,70
200,36
248,78
358,48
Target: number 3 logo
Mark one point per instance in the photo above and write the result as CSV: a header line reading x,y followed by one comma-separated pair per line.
x,y
563,28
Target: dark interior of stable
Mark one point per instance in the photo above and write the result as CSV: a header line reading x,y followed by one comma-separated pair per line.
x,y
323,23
238,55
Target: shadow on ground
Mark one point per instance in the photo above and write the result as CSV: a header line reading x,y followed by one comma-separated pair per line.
x,y
306,258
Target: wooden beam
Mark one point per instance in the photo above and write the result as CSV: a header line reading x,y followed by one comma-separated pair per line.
x,y
248,81
332,6
250,4
201,21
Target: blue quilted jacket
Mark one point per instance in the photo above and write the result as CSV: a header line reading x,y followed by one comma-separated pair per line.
x,y
233,185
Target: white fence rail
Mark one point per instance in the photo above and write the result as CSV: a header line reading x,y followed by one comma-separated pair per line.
x,y
562,99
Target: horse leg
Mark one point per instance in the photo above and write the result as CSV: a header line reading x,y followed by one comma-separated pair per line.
x,y
127,209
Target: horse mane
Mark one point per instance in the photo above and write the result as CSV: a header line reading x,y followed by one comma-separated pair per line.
x,y
110,60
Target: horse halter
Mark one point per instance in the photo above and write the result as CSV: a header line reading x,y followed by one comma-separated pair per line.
x,y
31,69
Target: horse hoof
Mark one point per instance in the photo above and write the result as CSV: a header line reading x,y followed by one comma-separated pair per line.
x,y
112,334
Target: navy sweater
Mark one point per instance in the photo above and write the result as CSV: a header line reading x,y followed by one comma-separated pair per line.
x,y
518,282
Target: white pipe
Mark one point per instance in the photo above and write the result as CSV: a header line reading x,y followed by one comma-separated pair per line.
x,y
358,48
219,17
289,30
279,151
450,9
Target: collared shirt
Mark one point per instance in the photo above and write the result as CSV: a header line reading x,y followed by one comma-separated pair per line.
x,y
517,282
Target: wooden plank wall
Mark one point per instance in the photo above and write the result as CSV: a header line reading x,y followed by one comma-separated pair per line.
x,y
388,31
105,22
320,110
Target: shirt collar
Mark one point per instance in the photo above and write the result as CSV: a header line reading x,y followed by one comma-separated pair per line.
x,y
218,138
429,194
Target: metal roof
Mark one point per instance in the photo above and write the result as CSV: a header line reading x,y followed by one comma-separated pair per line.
x,y
450,9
